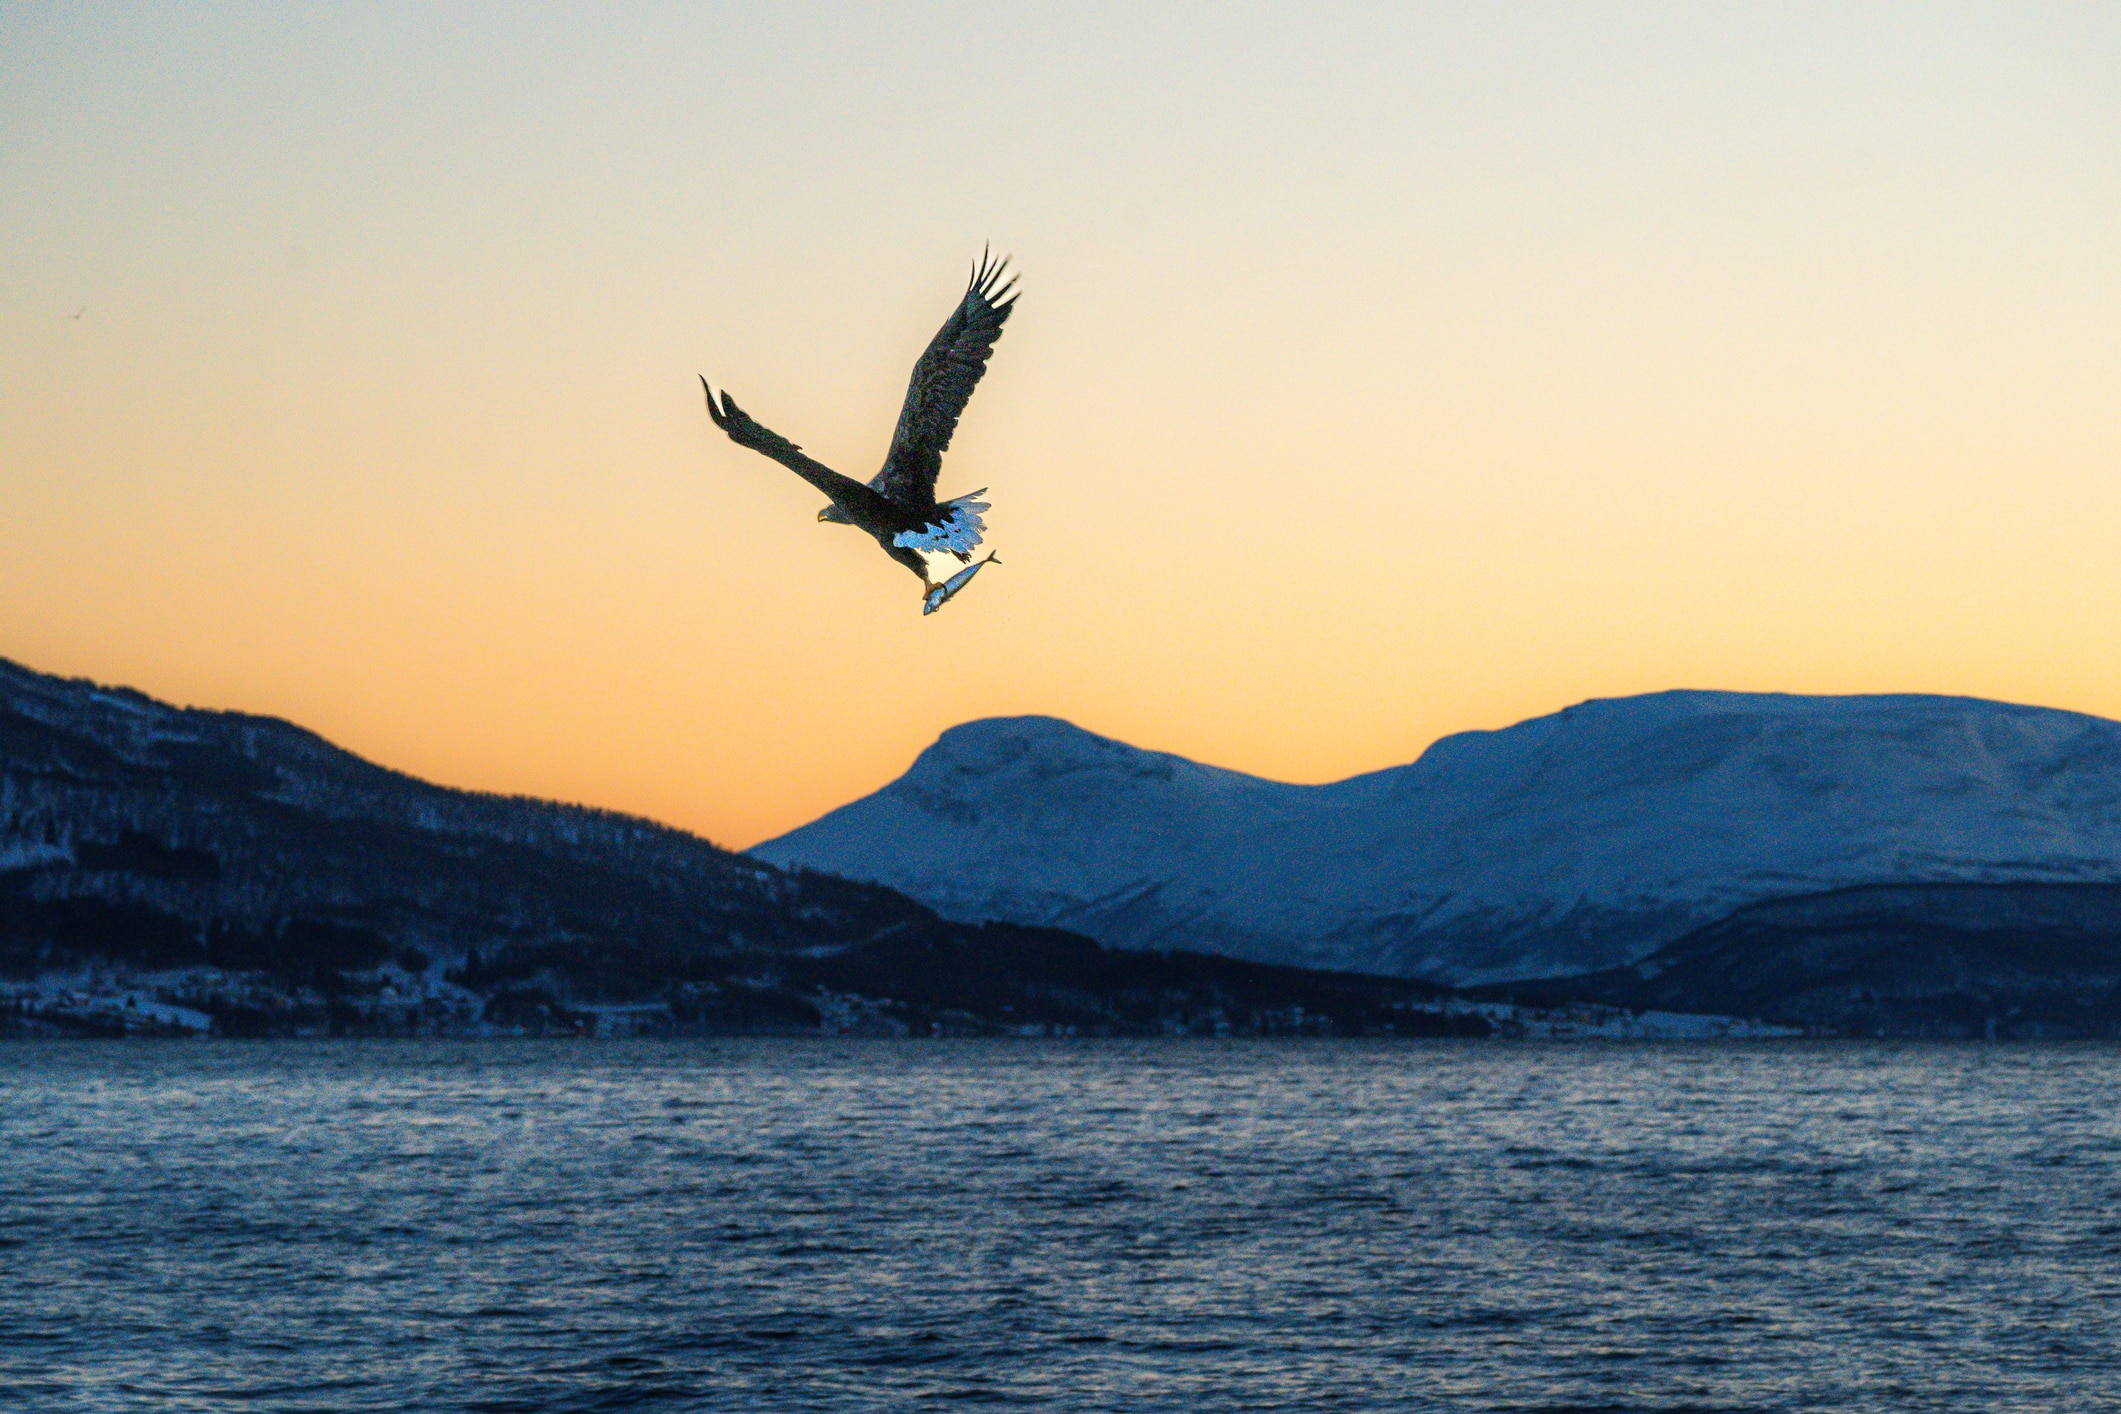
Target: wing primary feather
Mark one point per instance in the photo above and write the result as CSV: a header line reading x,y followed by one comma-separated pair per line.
x,y
942,383
865,506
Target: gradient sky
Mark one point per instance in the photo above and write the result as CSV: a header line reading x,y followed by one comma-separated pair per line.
x,y
1380,371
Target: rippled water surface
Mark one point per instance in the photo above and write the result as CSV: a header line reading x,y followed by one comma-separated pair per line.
x,y
1068,1225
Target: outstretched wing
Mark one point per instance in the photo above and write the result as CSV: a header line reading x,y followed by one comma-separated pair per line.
x,y
863,506
942,384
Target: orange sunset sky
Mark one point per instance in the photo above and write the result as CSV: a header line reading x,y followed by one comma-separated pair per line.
x,y
1380,371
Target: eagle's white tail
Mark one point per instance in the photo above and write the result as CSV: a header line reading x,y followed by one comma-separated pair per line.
x,y
955,531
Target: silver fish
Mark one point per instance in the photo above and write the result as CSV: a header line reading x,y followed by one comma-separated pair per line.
x,y
944,592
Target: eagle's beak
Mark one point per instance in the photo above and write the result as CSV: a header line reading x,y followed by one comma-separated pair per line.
x,y
821,514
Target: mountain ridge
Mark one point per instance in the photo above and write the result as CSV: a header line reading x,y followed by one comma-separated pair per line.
x,y
177,870
1573,842
174,871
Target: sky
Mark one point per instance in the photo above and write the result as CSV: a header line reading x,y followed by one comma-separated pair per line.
x,y
1380,371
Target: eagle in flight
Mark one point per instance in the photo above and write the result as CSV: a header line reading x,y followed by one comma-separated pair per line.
x,y
898,506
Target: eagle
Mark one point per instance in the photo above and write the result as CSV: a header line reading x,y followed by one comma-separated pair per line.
x,y
898,506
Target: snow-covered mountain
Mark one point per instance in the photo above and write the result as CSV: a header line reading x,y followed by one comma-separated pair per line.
x,y
1567,843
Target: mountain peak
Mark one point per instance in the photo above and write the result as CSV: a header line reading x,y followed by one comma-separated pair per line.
x,y
990,740
997,749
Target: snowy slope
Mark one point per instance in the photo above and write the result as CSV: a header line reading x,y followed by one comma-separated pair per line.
x,y
1570,842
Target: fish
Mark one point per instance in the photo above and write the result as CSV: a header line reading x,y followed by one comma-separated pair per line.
x,y
944,592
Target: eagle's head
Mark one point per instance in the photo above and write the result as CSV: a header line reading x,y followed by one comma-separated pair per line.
x,y
834,514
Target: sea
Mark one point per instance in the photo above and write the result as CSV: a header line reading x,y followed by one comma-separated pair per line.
x,y
493,1225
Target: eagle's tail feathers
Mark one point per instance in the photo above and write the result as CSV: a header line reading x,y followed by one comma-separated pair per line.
x,y
956,532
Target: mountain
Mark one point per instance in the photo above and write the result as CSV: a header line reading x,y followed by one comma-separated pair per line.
x,y
1571,843
2009,961
164,869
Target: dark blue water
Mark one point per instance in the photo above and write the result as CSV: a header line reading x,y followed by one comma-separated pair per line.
x,y
1067,1225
